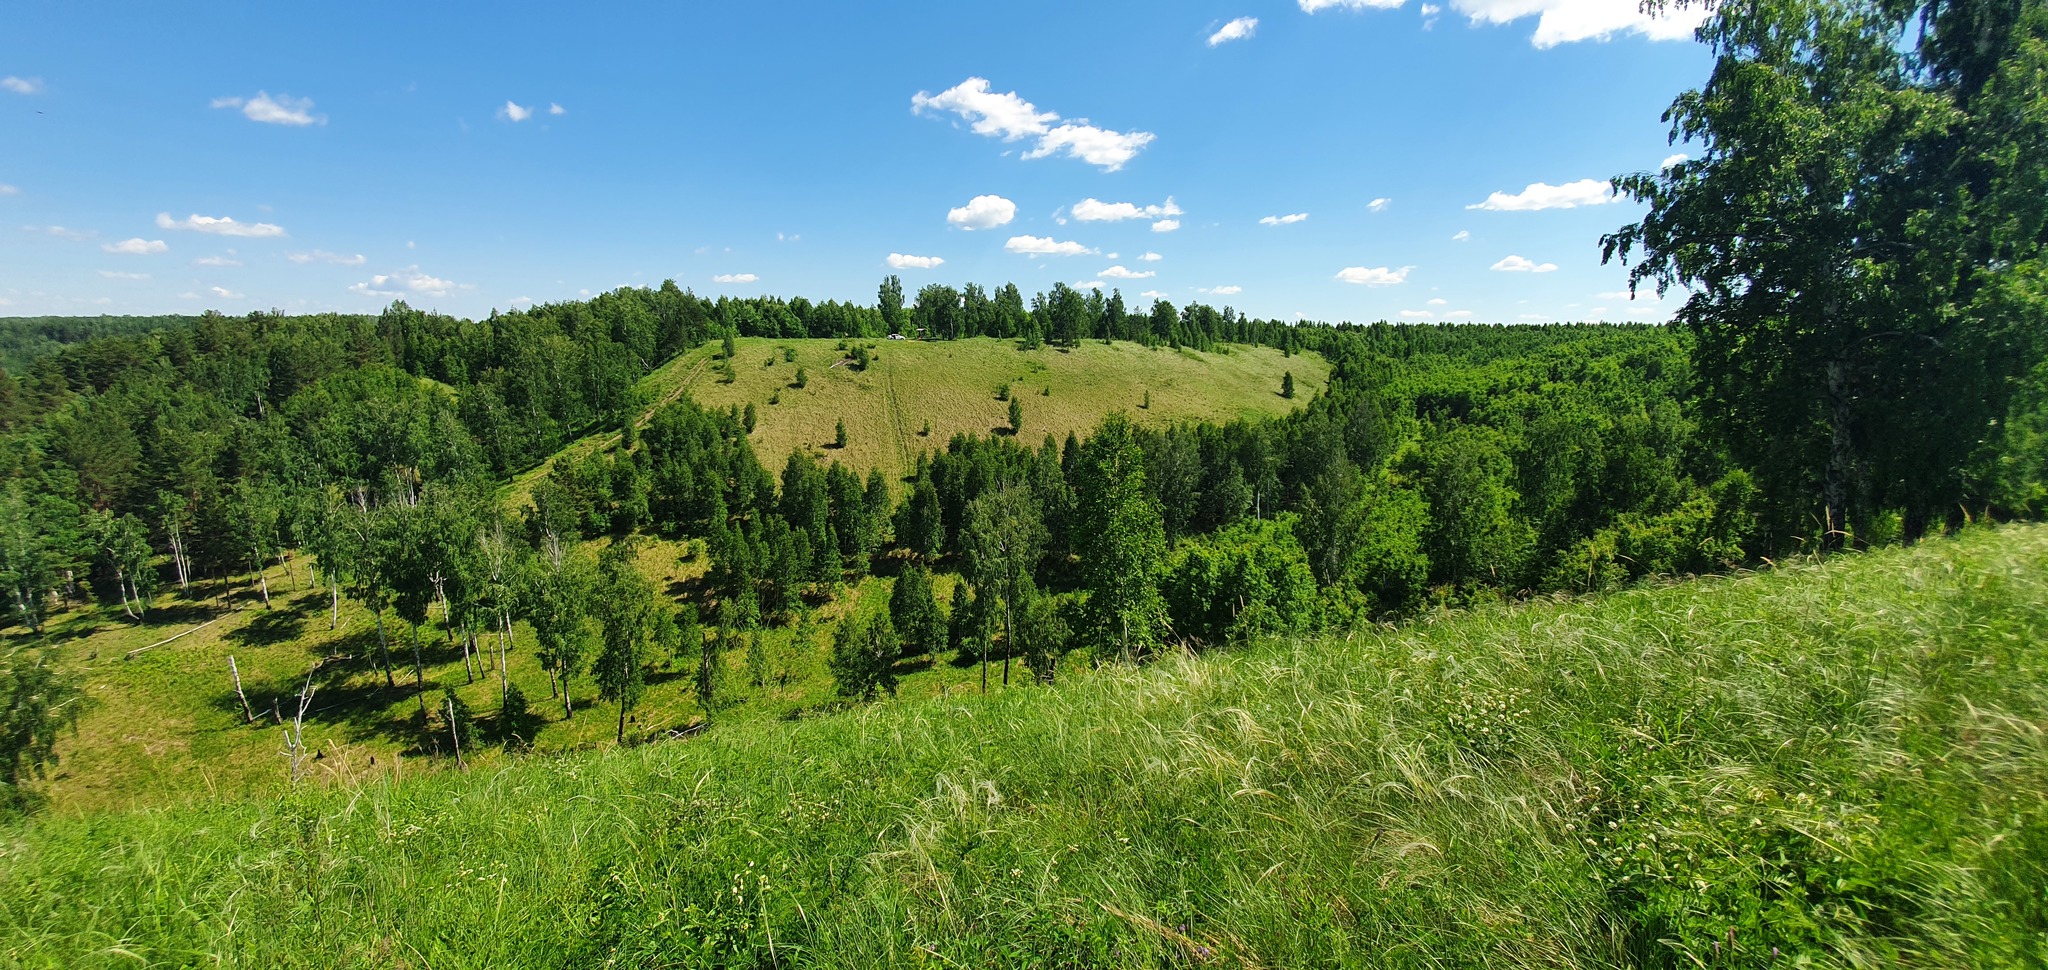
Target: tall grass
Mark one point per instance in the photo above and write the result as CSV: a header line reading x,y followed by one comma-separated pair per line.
x,y
1828,765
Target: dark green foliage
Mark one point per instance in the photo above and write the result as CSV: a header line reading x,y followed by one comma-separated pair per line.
x,y
750,418
1016,415
839,434
1287,385
914,612
36,704
863,661
1248,581
802,378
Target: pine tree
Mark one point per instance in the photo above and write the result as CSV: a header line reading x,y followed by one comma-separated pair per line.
x,y
1287,385
1016,416
839,434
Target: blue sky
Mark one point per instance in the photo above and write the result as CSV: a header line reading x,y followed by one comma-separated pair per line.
x,y
467,156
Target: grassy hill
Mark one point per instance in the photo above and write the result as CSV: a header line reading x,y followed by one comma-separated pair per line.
x,y
1833,764
952,385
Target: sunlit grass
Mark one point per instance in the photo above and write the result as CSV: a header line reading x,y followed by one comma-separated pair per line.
x,y
1845,761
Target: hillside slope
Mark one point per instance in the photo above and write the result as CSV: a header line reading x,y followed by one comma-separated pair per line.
x,y
1825,765
952,384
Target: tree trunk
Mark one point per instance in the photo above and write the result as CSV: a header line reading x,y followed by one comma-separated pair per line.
x,y
333,601
419,673
504,644
121,589
384,650
263,580
284,559
248,716
455,735
1841,455
1009,641
568,711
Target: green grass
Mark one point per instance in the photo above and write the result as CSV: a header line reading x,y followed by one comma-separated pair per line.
x,y
164,726
952,385
1845,761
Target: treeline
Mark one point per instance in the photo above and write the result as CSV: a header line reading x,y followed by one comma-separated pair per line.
x,y
25,339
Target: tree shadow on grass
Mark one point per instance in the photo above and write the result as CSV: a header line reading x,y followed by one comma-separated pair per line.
x,y
270,629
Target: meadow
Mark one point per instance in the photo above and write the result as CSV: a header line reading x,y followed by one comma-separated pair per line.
x,y
1830,763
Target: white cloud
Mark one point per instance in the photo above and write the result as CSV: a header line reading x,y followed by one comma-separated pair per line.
x,y
225,293
515,112
901,261
520,301
1151,258
1120,273
1461,235
1101,147
1374,275
1225,290
1095,210
556,110
1153,295
1089,285
281,110
1516,264
1566,21
21,85
1311,6
1166,225
1012,118
1378,205
136,247
216,261
406,282
1044,246
1671,160
983,212
323,256
1110,256
1541,195
1439,301
75,235
9,190
113,274
223,226
1529,316
735,278
1238,29
1283,220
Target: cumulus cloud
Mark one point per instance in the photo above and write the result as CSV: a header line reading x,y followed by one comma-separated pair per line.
x,y
9,190
983,212
1671,160
1439,301
1095,210
556,109
224,293
114,274
1011,118
222,226
1044,246
1238,29
21,85
1283,220
323,256
406,282
1151,258
1089,285
1540,195
1225,290
136,247
281,110
1461,235
1378,205
735,278
216,261
1567,21
1120,273
1373,275
1166,225
515,112
901,261
1516,264
1311,6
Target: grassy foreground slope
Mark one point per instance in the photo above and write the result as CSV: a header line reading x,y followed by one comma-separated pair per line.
x,y
1841,764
